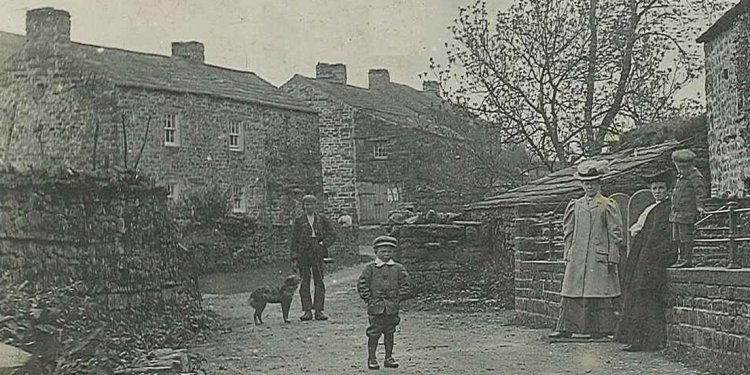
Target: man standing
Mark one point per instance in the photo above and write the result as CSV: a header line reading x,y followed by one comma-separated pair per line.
x,y
312,234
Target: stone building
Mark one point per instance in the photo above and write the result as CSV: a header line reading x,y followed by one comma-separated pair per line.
x,y
186,123
727,50
385,145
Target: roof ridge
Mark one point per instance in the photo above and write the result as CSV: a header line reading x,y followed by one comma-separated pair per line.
x,y
154,54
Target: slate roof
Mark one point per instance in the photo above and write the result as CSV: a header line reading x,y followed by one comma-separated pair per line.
x,y
398,104
160,72
560,185
725,21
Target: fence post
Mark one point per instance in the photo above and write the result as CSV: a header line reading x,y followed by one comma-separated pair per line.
x,y
732,235
551,235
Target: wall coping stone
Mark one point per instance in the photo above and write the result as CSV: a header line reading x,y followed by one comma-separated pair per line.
x,y
541,265
711,275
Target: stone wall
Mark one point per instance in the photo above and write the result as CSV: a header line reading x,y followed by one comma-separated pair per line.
x,y
537,292
239,244
710,315
454,260
337,149
727,95
115,234
55,111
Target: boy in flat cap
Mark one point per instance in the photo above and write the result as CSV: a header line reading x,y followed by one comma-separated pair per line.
x,y
689,190
382,285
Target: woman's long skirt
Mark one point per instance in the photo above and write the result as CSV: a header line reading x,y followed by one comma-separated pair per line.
x,y
642,323
587,316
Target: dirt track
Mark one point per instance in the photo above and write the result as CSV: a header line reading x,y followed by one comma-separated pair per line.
x,y
427,343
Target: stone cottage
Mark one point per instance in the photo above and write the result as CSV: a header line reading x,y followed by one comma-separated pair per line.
x,y
184,122
384,145
727,53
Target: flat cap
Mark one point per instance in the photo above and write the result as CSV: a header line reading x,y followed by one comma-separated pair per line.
x,y
683,155
385,241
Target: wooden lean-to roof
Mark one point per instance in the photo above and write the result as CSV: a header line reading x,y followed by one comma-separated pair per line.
x,y
560,186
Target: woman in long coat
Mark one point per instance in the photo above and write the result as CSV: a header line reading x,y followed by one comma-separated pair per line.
x,y
592,230
642,324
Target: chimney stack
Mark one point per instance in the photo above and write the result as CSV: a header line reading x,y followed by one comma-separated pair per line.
x,y
48,25
431,88
332,73
378,79
192,51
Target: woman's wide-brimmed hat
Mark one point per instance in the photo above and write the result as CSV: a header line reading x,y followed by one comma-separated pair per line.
x,y
589,170
659,176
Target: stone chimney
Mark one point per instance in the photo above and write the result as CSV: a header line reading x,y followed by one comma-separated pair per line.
x,y
332,73
431,88
378,79
192,51
48,25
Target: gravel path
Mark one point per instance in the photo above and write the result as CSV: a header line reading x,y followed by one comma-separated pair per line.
x,y
427,342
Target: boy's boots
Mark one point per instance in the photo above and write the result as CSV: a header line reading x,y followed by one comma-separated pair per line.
x,y
372,347
389,361
686,256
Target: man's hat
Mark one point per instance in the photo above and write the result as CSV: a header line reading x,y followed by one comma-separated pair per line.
x,y
385,241
589,170
660,176
309,199
683,156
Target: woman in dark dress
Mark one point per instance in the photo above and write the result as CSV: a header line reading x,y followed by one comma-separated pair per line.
x,y
642,324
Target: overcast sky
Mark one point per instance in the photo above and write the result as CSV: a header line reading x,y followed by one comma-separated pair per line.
x,y
273,38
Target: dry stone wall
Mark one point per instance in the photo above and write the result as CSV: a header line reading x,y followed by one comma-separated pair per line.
x,y
114,233
454,261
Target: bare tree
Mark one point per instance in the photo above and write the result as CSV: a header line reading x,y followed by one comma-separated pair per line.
x,y
560,76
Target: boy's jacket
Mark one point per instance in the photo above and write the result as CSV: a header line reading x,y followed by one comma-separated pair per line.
x,y
383,287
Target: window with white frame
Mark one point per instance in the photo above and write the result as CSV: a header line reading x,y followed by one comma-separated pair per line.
x,y
235,136
172,191
238,199
171,134
393,195
379,150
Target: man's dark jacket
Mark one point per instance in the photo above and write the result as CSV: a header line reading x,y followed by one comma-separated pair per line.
x,y
302,241
651,252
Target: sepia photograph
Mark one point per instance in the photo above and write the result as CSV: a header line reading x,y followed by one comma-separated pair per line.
x,y
230,187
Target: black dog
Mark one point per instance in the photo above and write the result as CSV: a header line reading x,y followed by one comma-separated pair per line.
x,y
283,295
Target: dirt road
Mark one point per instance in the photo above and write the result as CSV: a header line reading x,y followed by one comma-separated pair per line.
x,y
427,343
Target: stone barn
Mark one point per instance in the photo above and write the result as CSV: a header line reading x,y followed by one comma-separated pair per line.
x,y
385,145
178,119
727,52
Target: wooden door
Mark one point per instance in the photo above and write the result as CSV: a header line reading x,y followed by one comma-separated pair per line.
x,y
374,204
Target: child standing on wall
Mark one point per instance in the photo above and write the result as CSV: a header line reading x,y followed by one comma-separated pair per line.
x,y
689,190
382,285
